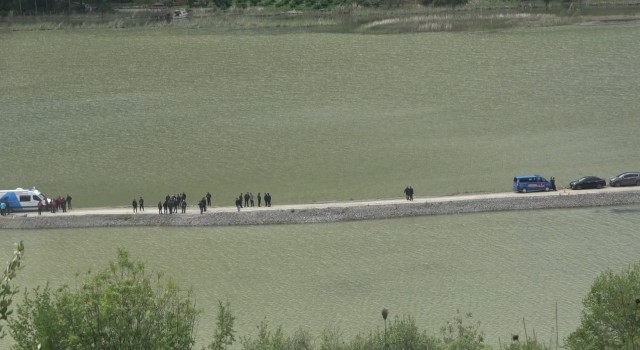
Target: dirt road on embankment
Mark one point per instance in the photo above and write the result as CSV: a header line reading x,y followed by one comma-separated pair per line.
x,y
325,212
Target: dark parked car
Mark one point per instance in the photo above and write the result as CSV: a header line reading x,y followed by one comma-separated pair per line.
x,y
630,178
588,182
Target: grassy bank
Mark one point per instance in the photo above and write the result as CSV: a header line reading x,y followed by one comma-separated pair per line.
x,y
479,15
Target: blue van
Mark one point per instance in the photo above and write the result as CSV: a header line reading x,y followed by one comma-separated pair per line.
x,y
531,183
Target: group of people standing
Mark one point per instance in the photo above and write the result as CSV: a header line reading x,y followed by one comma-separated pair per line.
x,y
55,205
408,192
249,200
171,204
139,203
203,203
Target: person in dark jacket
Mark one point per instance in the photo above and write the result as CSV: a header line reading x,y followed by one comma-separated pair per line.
x,y
69,202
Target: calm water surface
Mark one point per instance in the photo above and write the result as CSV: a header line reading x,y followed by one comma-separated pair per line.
x,y
107,115
499,266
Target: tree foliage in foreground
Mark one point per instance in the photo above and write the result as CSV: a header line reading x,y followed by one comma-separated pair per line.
x,y
7,290
224,334
121,307
611,315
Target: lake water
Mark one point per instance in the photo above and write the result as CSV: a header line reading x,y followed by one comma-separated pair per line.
x,y
502,267
108,115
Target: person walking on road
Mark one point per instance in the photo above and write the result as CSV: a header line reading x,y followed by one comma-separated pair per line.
x,y
259,199
134,204
208,199
141,203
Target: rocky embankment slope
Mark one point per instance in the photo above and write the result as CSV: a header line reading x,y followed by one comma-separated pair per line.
x,y
328,212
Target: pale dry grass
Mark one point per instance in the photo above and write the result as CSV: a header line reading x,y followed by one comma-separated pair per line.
x,y
461,21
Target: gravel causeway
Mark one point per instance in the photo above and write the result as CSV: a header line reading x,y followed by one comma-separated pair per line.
x,y
325,212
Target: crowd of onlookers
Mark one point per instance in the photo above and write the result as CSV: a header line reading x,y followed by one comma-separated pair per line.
x,y
172,204
55,205
249,200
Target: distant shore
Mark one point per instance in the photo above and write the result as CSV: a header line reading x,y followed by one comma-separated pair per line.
x,y
326,213
482,16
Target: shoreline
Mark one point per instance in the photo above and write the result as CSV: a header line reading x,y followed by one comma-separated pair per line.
x,y
327,212
369,20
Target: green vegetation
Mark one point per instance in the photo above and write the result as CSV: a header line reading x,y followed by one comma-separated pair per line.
x,y
401,333
224,334
274,17
362,16
611,315
121,307
124,307
7,290
48,7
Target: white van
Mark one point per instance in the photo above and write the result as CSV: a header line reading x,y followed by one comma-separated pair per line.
x,y
22,199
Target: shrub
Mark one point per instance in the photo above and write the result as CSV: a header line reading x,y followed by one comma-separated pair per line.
x,y
611,317
224,334
119,308
7,290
